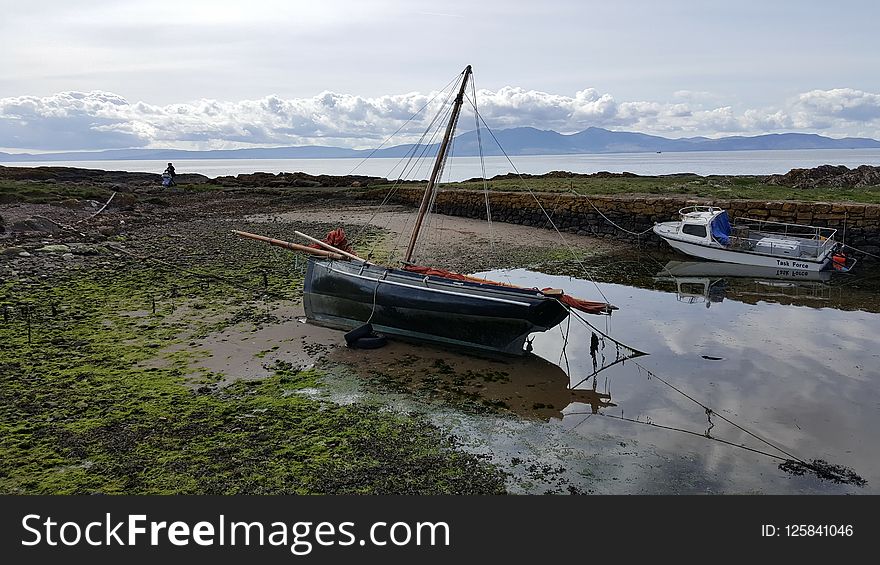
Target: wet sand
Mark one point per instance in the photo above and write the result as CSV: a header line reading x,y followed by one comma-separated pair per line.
x,y
461,244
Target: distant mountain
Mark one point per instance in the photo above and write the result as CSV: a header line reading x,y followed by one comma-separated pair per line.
x,y
515,141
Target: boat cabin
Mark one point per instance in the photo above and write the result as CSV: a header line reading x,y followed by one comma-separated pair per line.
x,y
702,225
710,226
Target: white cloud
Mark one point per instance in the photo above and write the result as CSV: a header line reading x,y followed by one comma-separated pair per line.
x,y
836,108
97,119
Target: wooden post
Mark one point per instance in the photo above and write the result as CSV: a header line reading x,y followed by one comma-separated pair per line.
x,y
27,315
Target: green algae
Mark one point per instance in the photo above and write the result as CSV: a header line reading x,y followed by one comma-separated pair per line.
x,y
82,409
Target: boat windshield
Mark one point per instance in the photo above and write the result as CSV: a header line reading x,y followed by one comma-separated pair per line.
x,y
721,228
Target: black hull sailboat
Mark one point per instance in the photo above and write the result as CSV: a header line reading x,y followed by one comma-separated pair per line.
x,y
477,316
344,291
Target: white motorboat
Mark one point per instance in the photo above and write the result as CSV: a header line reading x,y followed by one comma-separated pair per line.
x,y
706,232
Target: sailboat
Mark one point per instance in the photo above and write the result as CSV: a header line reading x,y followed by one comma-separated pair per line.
x,y
344,291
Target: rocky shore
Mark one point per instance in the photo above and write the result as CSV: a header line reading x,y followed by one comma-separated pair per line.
x,y
828,176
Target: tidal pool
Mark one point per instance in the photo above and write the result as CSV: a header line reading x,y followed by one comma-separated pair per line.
x,y
789,367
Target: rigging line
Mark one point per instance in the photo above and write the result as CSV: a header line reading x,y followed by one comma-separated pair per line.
x,y
599,370
708,409
604,334
443,161
409,156
434,218
411,118
576,426
483,170
564,353
691,432
541,206
408,168
420,159
607,219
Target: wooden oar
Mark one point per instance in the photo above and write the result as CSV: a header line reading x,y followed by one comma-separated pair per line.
x,y
291,246
330,247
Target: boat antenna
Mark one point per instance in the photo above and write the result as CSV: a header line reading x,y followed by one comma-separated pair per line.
x,y
438,165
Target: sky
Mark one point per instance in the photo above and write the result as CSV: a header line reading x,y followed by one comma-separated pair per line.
x,y
103,74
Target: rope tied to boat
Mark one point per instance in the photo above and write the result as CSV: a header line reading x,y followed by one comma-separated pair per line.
x,y
609,220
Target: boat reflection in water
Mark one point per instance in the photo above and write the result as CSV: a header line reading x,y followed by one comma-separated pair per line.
x,y
710,282
530,387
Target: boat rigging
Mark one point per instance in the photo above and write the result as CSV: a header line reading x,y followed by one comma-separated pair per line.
x,y
345,291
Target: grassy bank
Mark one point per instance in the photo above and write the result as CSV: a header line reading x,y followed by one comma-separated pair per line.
x,y
714,186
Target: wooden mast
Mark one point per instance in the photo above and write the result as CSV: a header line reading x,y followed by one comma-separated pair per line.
x,y
438,165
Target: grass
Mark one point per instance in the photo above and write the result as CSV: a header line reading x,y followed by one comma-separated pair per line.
x,y
82,409
714,186
45,193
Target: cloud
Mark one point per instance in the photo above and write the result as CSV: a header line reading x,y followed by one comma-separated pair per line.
x,y
839,107
68,120
103,120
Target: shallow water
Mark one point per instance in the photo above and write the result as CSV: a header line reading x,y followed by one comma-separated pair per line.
x,y
795,364
789,368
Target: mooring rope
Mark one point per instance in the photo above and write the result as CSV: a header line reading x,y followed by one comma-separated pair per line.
x,y
860,250
609,220
708,410
790,463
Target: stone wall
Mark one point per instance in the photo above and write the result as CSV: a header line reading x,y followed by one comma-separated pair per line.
x,y
584,215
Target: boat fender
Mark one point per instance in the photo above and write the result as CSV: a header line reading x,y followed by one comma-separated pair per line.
x,y
362,331
838,261
363,337
371,342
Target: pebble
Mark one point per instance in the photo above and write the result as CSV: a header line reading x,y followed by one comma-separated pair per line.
x,y
24,254
54,249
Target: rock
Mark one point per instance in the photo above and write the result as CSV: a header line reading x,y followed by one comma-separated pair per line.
x,y
828,176
124,201
56,248
35,224
82,249
13,250
68,256
285,180
24,254
2,225
71,203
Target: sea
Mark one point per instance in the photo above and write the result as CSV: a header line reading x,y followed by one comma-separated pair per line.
x,y
462,168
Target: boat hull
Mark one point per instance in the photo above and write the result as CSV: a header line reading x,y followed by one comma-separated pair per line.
x,y
736,270
478,317
718,253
